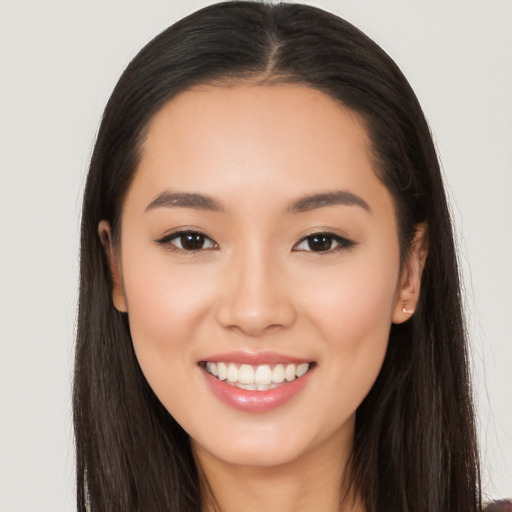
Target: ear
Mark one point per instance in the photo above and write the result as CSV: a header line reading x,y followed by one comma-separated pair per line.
x,y
410,280
118,295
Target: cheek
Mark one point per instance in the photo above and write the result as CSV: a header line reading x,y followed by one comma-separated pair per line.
x,y
357,297
165,306
352,309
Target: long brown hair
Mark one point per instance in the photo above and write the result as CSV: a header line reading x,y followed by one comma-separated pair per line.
x,y
415,443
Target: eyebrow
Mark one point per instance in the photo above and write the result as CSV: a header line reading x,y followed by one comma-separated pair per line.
x,y
337,197
201,202
184,200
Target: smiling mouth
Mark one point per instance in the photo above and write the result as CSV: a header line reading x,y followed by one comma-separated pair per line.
x,y
256,377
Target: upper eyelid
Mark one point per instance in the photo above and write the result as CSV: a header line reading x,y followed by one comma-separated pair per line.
x,y
331,234
181,231
340,239
166,239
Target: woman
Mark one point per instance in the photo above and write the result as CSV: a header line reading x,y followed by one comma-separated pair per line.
x,y
269,306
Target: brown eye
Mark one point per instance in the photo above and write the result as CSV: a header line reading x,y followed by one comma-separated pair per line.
x,y
191,241
188,241
323,242
319,243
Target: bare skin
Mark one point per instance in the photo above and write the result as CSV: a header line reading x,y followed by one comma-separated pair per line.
x,y
270,271
309,483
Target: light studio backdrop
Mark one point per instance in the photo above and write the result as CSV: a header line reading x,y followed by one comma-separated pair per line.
x,y
59,61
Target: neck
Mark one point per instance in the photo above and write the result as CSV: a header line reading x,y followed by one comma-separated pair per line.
x,y
314,481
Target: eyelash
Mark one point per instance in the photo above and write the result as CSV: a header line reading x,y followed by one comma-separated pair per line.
x,y
342,243
167,241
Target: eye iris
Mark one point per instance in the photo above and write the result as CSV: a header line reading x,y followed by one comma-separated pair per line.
x,y
192,241
319,242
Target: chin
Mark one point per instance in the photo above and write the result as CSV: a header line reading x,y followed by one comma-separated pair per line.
x,y
271,446
256,455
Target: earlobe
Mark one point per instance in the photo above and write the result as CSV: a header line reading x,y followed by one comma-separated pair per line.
x,y
410,281
118,295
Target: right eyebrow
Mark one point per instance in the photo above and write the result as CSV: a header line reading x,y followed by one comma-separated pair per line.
x,y
331,198
169,199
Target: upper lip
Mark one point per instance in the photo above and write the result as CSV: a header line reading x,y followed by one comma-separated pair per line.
x,y
254,358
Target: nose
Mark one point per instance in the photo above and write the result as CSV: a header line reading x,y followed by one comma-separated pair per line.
x,y
256,296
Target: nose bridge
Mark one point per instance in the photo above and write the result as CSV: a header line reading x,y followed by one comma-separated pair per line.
x,y
256,296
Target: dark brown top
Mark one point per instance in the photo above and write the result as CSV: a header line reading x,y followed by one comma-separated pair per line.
x,y
499,506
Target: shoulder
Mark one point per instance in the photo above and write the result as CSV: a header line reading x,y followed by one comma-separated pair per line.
x,y
498,506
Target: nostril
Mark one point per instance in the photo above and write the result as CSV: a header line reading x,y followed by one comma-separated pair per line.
x,y
255,320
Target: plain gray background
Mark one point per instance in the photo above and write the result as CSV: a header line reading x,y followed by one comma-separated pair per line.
x,y
58,64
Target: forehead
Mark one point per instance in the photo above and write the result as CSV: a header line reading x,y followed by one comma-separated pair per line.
x,y
273,115
280,140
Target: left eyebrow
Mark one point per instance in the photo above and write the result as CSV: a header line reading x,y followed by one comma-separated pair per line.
x,y
337,197
184,200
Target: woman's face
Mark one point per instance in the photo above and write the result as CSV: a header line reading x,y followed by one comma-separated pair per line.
x,y
258,243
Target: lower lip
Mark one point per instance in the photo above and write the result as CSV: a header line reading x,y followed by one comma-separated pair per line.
x,y
256,401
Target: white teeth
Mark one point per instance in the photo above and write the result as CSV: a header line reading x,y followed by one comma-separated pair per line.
x,y
301,369
212,368
246,374
278,374
232,375
249,387
258,378
263,375
253,387
222,371
289,373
